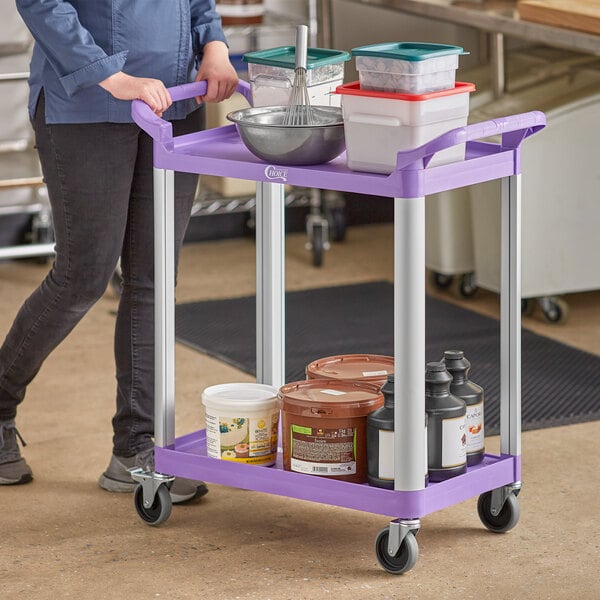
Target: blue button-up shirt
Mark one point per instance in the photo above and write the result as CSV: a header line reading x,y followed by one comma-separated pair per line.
x,y
80,43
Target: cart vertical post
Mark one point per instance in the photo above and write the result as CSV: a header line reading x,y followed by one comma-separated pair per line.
x,y
409,344
164,307
510,318
270,283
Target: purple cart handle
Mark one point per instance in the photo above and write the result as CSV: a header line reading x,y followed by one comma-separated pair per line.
x,y
514,129
161,130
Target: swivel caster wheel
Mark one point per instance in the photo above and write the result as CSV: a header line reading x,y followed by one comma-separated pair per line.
x,y
403,560
441,281
467,286
554,309
160,509
505,519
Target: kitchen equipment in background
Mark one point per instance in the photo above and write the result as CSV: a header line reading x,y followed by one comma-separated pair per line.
x,y
407,67
380,124
241,12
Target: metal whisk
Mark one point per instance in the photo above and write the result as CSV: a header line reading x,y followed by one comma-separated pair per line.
x,y
299,111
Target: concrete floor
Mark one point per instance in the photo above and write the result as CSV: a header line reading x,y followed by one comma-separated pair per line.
x,y
62,536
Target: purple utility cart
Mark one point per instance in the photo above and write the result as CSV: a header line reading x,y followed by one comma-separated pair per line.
x,y
221,152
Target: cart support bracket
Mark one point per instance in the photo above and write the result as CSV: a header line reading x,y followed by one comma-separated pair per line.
x,y
399,529
500,495
150,483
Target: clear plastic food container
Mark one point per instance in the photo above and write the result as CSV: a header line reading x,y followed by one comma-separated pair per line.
x,y
271,74
407,67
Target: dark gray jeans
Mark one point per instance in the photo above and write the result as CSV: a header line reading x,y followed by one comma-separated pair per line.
x,y
100,184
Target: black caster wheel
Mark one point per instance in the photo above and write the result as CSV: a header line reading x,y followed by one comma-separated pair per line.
x,y
505,520
441,281
317,245
406,557
337,218
555,310
527,306
160,510
467,287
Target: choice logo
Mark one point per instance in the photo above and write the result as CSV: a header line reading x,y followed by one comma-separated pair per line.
x,y
272,172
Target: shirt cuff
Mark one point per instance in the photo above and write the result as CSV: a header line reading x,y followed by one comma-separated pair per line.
x,y
93,73
207,32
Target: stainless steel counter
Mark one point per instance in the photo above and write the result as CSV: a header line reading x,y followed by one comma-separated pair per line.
x,y
498,18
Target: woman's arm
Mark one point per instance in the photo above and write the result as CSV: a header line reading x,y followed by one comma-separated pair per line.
x,y
69,47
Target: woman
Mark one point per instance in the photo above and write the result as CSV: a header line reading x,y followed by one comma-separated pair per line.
x,y
89,61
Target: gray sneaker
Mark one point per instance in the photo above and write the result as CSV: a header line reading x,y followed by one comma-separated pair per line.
x,y
117,477
13,468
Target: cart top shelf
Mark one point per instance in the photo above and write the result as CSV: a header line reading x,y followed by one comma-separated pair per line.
x,y
221,152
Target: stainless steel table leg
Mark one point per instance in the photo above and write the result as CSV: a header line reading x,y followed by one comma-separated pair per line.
x,y
270,284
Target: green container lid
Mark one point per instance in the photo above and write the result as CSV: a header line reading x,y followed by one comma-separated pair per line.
x,y
285,57
411,51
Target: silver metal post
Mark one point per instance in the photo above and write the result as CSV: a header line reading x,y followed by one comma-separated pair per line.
x,y
409,343
164,307
270,284
497,60
510,317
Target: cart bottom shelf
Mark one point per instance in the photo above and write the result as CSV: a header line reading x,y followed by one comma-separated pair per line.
x,y
187,458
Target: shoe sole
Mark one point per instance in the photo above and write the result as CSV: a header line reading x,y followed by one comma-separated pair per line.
x,y
23,479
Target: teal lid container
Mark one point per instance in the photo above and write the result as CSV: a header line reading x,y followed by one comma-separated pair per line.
x,y
407,67
411,51
322,65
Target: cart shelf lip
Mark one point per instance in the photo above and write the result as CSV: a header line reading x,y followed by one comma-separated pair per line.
x,y
221,152
187,458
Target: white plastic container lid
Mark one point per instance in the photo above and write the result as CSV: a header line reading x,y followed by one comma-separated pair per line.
x,y
240,396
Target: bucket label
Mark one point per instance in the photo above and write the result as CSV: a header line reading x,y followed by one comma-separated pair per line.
x,y
374,373
333,392
250,440
320,451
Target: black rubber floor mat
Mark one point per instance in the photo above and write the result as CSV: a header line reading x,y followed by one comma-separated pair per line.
x,y
559,383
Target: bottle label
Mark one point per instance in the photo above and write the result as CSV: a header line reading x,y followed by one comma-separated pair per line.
x,y
475,434
386,454
454,442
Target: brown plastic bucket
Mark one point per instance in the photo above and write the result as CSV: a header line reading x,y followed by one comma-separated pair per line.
x,y
373,368
324,427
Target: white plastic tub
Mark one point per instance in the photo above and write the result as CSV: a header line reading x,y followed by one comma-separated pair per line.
x,y
242,422
377,125
407,67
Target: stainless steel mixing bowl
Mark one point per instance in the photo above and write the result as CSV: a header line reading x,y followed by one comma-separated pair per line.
x,y
263,133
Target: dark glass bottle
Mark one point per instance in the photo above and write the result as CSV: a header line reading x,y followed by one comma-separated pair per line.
x,y
446,439
458,366
380,441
